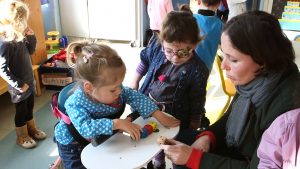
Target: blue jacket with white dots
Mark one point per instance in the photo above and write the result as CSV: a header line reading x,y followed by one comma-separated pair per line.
x,y
87,115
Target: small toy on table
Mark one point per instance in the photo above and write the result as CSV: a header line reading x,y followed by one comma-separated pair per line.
x,y
148,129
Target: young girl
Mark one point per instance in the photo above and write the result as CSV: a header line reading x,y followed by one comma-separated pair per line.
x,y
176,77
98,97
17,43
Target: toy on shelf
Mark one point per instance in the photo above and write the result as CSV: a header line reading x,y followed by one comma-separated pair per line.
x,y
52,43
148,129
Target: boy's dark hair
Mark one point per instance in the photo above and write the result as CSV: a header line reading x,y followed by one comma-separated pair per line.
x,y
180,26
258,34
185,8
211,2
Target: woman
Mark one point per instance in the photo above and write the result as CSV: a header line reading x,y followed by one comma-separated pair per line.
x,y
259,60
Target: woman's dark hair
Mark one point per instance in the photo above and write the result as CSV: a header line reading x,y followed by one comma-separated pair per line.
x,y
180,26
258,34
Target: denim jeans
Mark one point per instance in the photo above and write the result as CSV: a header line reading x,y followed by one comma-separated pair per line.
x,y
70,155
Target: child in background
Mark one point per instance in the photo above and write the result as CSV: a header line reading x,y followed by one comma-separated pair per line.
x,y
17,43
223,11
178,3
94,107
176,77
211,28
157,11
279,147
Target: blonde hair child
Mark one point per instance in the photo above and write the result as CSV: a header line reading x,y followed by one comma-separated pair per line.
x,y
17,43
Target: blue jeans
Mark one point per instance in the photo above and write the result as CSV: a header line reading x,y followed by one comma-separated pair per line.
x,y
70,155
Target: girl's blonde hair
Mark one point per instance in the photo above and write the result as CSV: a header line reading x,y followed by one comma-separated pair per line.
x,y
13,20
94,62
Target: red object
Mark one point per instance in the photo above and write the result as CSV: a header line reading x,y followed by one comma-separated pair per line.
x,y
162,78
194,159
149,128
61,55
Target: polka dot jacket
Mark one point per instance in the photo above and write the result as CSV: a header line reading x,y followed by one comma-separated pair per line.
x,y
86,115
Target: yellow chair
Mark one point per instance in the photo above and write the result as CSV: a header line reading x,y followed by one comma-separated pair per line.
x,y
227,86
216,112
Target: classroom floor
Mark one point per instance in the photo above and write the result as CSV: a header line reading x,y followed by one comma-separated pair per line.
x,y
13,156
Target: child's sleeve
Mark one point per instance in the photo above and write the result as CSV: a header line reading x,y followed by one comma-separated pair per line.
x,y
5,52
270,151
139,102
147,55
31,43
197,94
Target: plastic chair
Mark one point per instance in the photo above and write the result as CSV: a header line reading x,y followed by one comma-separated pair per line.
x,y
58,102
227,86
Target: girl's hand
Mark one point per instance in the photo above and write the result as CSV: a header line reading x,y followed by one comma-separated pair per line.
x,y
202,143
24,88
165,120
177,152
132,129
28,31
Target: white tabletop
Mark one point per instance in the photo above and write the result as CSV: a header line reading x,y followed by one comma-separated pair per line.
x,y
121,152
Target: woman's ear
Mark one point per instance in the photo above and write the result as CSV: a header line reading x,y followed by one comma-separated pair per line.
x,y
88,87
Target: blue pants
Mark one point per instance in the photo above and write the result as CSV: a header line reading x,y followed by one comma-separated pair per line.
x,y
70,155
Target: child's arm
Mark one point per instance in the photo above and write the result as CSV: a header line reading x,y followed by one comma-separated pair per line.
x,y
141,70
146,107
138,102
30,40
197,96
6,50
132,129
165,120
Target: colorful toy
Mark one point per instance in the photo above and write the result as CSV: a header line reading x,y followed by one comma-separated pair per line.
x,y
52,43
149,129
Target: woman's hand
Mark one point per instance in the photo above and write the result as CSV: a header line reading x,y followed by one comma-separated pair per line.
x,y
202,143
177,152
134,130
165,120
24,88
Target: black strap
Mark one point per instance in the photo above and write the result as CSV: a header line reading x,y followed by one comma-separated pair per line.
x,y
76,135
99,139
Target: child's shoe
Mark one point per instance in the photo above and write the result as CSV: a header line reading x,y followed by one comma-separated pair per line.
x,y
23,139
34,131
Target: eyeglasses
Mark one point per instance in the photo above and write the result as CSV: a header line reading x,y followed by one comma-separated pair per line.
x,y
181,53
